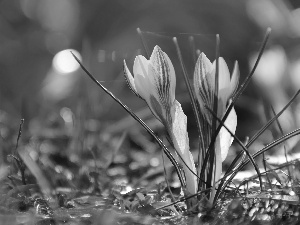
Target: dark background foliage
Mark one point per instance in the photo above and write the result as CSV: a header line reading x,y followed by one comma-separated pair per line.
x,y
32,32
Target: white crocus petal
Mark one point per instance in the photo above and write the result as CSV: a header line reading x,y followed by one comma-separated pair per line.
x,y
235,77
164,74
179,136
191,178
224,139
145,86
203,81
141,77
172,76
224,84
130,80
224,75
162,78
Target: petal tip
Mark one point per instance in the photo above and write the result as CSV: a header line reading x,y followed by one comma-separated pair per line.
x,y
204,60
236,68
234,81
223,64
129,79
202,57
156,48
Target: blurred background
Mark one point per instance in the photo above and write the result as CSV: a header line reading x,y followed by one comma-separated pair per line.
x,y
41,82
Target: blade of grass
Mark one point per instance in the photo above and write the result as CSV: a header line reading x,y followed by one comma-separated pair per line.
x,y
238,94
134,116
19,162
42,181
271,170
166,179
116,149
265,167
19,133
265,149
258,133
191,93
215,160
139,31
242,160
15,191
284,146
280,181
210,151
230,170
255,136
243,147
193,48
184,199
205,138
247,80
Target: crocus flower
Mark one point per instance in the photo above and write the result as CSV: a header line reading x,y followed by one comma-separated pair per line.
x,y
204,85
154,81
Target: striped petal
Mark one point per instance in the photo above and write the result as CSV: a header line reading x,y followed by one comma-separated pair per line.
x,y
158,87
204,82
164,73
129,79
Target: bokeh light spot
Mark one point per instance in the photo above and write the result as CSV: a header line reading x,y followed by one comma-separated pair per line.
x,y
64,62
66,114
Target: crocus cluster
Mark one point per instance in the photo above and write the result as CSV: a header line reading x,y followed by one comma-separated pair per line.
x,y
154,81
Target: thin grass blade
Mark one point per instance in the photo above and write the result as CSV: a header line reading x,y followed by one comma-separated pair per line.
x,y
193,48
263,150
191,93
258,133
42,181
134,116
281,131
243,147
139,31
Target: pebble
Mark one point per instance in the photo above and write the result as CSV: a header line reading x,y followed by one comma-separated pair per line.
x,y
261,210
274,207
245,205
263,217
289,211
279,213
267,209
252,211
267,202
